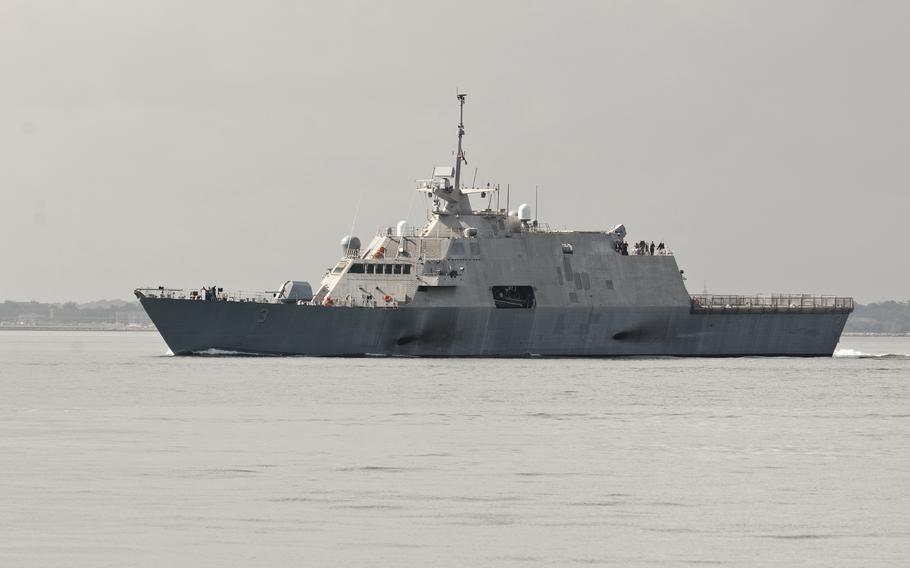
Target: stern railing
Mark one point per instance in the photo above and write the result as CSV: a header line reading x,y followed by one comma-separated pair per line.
x,y
711,303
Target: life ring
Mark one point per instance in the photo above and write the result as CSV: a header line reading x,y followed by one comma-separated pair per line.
x,y
328,302
387,298
380,252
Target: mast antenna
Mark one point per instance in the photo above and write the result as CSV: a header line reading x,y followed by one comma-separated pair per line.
x,y
460,156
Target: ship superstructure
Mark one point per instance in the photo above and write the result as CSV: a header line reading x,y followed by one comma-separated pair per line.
x,y
493,282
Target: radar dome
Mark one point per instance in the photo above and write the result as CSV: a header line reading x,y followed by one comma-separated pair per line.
x,y
350,243
524,212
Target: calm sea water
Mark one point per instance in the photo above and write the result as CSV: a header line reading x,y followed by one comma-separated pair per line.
x,y
114,454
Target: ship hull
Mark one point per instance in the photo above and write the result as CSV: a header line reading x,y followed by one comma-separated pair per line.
x,y
193,326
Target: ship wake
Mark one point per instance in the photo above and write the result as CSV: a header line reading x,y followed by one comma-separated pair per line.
x,y
856,354
212,352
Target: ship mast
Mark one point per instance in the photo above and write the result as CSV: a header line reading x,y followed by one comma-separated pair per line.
x,y
455,198
459,157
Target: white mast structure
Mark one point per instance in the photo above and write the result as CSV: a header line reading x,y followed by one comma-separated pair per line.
x,y
449,198
459,157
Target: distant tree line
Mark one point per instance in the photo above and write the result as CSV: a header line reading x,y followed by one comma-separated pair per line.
x,y
880,317
101,314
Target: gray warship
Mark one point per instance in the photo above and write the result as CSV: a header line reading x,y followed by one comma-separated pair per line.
x,y
491,282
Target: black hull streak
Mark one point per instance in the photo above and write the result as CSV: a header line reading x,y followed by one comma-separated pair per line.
x,y
194,326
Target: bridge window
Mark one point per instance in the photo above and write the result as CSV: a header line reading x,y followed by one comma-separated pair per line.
x,y
513,296
369,268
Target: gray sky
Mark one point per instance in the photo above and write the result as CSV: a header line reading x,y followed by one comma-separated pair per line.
x,y
188,143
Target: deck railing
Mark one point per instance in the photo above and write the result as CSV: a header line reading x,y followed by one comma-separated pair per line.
x,y
657,252
772,303
200,294
264,297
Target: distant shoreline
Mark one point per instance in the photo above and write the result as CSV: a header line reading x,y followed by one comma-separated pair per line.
x,y
873,334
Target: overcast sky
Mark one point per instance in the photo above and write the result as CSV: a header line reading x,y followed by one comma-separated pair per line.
x,y
188,143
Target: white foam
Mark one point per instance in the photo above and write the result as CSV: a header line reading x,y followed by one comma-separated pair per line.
x,y
848,353
221,352
857,354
